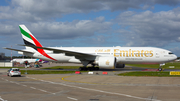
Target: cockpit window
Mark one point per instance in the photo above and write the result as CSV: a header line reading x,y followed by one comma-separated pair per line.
x,y
171,53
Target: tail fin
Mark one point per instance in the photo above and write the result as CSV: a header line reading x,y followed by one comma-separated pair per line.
x,y
28,38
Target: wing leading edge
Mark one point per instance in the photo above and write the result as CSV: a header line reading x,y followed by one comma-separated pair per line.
x,y
79,55
19,50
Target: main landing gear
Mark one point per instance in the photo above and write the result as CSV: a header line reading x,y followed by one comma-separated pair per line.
x,y
85,68
88,68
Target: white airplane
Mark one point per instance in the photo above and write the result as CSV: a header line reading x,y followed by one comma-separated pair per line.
x,y
177,60
104,57
21,61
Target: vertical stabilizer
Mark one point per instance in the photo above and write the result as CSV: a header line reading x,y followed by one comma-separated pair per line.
x,y
28,38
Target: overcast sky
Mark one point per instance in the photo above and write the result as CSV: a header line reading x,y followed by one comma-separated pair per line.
x,y
89,23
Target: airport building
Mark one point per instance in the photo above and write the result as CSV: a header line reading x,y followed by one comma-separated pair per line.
x,y
2,56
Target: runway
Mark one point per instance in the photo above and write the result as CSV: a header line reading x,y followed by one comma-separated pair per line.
x,y
83,87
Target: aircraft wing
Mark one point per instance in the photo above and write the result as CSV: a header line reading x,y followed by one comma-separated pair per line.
x,y
79,55
18,50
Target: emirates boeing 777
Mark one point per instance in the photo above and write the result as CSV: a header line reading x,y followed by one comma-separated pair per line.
x,y
103,57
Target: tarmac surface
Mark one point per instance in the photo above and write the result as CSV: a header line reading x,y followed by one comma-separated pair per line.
x,y
88,87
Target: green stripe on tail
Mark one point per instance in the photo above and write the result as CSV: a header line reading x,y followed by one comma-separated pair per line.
x,y
25,33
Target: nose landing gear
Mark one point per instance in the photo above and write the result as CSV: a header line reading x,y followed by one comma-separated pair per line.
x,y
160,66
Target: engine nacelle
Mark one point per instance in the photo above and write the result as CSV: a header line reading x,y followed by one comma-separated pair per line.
x,y
106,62
120,65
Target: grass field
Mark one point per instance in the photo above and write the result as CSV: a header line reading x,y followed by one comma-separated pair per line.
x,y
175,64
46,72
153,74
166,66
62,67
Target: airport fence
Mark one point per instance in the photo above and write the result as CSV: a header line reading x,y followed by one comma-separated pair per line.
x,y
6,64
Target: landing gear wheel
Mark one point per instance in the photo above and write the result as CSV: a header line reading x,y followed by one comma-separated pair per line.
x,y
80,68
96,68
160,69
90,68
83,69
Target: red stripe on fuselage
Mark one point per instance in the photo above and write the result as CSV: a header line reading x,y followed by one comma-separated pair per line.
x,y
41,50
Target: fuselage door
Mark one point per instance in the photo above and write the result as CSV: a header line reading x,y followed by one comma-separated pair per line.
x,y
157,54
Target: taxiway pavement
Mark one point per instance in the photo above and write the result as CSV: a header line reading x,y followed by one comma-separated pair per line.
x,y
83,87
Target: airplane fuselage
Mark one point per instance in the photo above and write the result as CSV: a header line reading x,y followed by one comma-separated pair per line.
x,y
139,55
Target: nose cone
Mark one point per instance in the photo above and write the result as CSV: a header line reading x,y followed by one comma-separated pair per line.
x,y
172,58
175,57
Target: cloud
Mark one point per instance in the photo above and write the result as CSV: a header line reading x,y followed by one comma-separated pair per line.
x,y
150,29
60,30
39,10
70,30
167,2
175,50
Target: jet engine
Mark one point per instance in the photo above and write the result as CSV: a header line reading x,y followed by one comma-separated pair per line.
x,y
106,62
